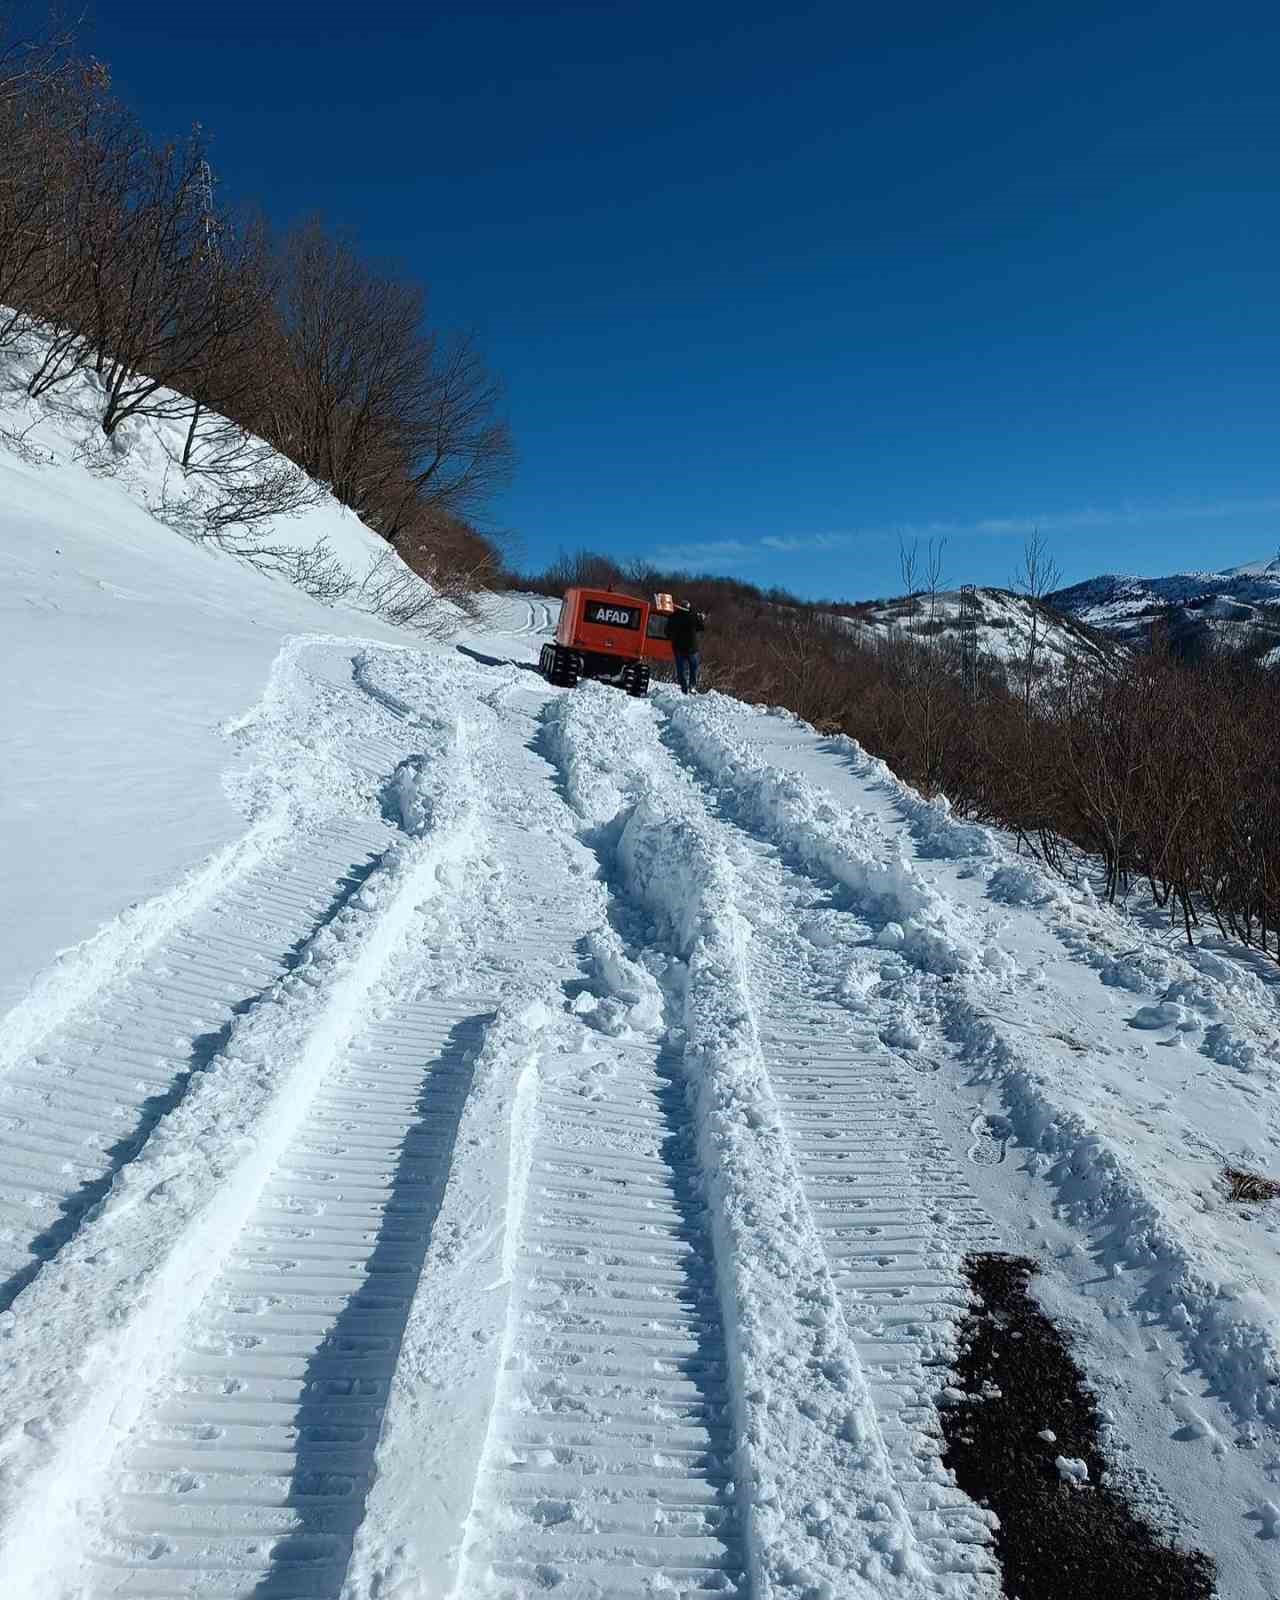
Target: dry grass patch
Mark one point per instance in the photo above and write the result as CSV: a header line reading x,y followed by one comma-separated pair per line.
x,y
1250,1186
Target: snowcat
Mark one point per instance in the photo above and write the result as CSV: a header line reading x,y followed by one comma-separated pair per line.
x,y
606,635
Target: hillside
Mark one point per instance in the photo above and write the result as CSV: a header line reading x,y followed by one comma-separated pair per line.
x,y
1002,628
1238,607
129,650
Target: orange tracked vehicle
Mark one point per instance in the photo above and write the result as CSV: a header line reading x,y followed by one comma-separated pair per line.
x,y
603,634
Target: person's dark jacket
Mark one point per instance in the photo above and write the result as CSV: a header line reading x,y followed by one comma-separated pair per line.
x,y
683,629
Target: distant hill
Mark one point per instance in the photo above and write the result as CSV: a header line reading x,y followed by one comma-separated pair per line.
x,y
1003,625
1239,606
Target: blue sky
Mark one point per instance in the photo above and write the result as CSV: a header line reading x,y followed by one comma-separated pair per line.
x,y
768,289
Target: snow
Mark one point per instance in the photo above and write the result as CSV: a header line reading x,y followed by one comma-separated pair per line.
x,y
175,1209
1072,1470
483,1140
805,1414
1236,601
1132,1170
1002,626
129,651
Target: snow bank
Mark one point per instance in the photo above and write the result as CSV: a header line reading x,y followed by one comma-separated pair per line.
x,y
821,1509
811,828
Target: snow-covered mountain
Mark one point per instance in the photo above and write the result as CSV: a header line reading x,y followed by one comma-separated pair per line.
x,y
1239,606
1003,625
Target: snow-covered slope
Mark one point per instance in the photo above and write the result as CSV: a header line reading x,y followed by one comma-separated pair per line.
x,y
1002,626
129,652
527,1141
1239,606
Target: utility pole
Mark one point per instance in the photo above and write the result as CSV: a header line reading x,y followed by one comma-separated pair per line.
x,y
212,266
204,193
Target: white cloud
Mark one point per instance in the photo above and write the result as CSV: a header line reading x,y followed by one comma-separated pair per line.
x,y
1128,514
698,554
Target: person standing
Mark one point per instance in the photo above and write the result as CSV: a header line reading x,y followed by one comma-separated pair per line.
x,y
683,630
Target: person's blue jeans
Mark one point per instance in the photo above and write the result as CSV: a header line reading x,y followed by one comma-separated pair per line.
x,y
687,672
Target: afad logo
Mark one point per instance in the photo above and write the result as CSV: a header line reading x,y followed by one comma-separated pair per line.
x,y
621,619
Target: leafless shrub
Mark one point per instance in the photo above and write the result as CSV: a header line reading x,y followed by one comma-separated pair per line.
x,y
312,568
390,591
98,455
316,571
395,417
17,441
267,488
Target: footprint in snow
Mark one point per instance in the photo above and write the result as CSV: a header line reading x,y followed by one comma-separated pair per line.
x,y
991,1135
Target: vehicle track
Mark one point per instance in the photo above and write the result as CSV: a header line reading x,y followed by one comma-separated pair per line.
x,y
248,1471
609,1464
83,1106
248,1474
896,1218
892,1206
539,619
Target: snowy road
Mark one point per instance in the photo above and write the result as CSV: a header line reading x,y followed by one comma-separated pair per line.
x,y
542,1158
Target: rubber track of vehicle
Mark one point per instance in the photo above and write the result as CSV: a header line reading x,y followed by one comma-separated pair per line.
x,y
248,1472
248,1477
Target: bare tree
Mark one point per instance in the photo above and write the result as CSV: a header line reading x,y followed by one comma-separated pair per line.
x,y
1037,577
28,61
112,246
29,261
91,168
391,417
922,664
189,286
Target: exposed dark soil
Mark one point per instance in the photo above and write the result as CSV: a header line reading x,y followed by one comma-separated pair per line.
x,y
1057,1540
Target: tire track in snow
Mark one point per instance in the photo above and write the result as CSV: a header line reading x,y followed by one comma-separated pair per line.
x,y
829,1468
247,1471
89,1338
72,982
609,1467
247,1474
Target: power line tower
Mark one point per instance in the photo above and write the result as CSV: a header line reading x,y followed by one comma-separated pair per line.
x,y
204,196
969,614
